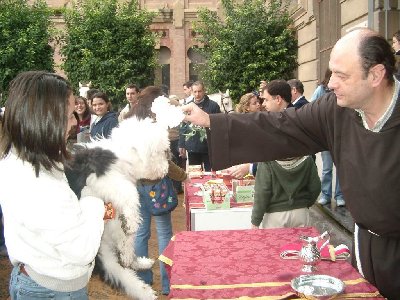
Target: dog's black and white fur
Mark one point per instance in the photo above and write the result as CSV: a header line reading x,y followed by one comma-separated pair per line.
x,y
109,169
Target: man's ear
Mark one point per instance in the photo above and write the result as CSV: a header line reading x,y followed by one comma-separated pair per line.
x,y
377,72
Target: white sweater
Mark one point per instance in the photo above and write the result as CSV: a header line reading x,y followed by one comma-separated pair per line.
x,y
46,228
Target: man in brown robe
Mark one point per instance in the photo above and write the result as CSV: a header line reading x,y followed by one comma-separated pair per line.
x,y
359,123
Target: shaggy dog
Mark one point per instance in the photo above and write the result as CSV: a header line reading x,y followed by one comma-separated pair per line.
x,y
109,169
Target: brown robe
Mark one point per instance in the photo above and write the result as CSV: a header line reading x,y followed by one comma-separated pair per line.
x,y
368,166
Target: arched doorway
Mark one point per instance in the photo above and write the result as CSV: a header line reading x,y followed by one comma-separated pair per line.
x,y
197,61
162,73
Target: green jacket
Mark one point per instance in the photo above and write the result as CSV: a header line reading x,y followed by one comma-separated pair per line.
x,y
282,189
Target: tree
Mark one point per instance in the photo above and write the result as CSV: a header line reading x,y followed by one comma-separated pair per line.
x,y
109,44
25,33
255,41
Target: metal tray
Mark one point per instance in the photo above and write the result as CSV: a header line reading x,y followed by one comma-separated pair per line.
x,y
317,285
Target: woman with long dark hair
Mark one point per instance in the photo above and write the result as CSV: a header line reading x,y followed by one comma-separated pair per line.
x,y
51,237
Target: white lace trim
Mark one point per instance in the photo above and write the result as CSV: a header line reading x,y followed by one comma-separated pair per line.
x,y
382,120
357,251
291,163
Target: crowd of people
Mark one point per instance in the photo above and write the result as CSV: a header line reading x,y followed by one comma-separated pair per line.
x,y
351,119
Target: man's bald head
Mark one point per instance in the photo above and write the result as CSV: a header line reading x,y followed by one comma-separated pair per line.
x,y
371,48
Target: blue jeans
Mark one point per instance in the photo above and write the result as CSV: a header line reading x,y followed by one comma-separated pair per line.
x,y
23,287
164,235
326,179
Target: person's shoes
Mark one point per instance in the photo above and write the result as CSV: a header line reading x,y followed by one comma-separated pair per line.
x,y
3,251
323,201
340,203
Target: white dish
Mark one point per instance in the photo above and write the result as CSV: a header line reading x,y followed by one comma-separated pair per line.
x,y
317,285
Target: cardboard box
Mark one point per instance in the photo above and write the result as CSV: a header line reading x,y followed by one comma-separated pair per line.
x,y
194,171
216,196
243,190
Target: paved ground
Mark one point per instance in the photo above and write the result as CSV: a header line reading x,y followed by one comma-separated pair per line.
x,y
336,219
324,222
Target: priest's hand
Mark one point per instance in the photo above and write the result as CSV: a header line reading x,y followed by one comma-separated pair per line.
x,y
196,115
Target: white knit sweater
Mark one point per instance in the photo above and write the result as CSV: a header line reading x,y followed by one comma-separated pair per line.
x,y
46,228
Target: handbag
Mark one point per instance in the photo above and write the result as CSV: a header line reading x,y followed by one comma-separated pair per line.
x,y
162,196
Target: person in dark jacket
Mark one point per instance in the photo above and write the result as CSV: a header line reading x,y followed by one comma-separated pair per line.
x,y
106,119
298,100
196,144
359,123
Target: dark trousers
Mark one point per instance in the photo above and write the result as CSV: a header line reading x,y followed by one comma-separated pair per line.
x,y
200,159
179,161
380,262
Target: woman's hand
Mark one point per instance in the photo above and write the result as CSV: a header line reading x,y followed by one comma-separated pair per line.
x,y
182,153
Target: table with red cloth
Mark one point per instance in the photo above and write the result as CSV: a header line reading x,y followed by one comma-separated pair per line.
x,y
195,201
230,264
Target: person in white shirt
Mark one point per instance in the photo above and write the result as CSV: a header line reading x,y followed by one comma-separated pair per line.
x,y
51,237
131,93
187,89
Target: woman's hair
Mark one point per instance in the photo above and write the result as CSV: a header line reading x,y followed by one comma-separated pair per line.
x,y
90,93
35,119
327,76
86,113
146,97
397,35
103,96
244,103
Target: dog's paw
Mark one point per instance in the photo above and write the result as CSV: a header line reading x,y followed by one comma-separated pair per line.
x,y
143,263
137,289
147,293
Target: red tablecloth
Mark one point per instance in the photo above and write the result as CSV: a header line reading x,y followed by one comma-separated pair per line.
x,y
193,201
246,263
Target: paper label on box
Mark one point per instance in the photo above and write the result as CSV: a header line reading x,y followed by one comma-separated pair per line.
x,y
244,193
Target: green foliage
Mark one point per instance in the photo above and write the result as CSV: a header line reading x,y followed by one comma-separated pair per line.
x,y
194,129
25,34
109,44
254,42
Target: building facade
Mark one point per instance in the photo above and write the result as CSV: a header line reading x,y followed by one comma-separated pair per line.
x,y
319,24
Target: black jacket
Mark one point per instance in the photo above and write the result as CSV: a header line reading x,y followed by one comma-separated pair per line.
x,y
193,144
302,101
104,126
